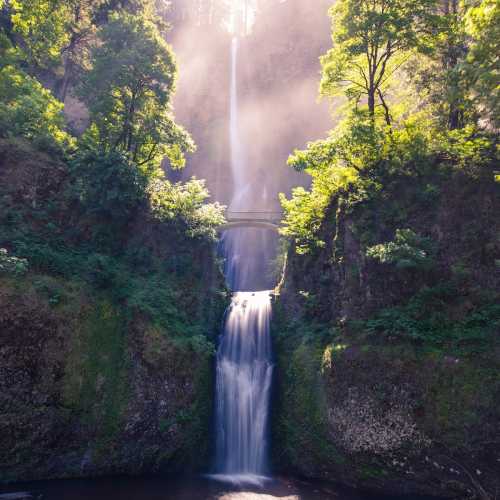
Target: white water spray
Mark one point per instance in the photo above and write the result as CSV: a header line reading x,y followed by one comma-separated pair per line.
x,y
244,358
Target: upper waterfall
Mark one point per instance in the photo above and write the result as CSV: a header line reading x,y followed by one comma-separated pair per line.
x,y
237,154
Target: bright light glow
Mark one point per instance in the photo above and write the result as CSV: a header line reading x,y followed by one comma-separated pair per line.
x,y
242,17
240,479
249,495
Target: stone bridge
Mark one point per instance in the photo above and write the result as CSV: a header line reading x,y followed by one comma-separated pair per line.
x,y
252,218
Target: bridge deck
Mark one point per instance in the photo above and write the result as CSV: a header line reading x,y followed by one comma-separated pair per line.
x,y
253,218
255,215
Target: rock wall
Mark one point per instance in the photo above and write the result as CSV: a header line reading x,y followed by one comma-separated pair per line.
x,y
388,377
88,389
105,356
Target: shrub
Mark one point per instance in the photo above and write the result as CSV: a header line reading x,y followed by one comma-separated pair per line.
x,y
407,250
12,264
186,202
29,110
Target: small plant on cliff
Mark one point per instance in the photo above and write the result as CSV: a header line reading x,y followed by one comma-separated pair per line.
x,y
12,264
407,250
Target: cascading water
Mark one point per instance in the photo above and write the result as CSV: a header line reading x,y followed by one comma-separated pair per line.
x,y
244,372
244,357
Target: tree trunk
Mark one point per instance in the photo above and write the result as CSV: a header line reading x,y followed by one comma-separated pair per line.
x,y
453,53
66,79
371,102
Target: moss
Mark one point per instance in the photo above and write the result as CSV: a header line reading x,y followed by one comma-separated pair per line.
x,y
196,419
372,472
96,385
459,393
300,424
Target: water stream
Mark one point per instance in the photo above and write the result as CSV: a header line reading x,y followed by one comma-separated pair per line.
x,y
244,372
244,357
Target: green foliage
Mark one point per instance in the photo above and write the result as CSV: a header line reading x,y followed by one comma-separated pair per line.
x,y
483,64
186,202
11,264
43,27
425,318
304,214
109,189
128,90
408,250
29,110
470,149
371,41
355,143
457,80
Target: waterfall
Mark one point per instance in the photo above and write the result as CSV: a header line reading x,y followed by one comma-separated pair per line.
x,y
244,371
237,155
244,358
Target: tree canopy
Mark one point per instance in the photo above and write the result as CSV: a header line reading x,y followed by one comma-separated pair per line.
x,y
128,91
372,40
111,55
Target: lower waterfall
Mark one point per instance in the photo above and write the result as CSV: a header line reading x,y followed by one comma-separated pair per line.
x,y
244,373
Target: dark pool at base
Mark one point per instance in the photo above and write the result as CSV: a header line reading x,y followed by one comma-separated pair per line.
x,y
198,488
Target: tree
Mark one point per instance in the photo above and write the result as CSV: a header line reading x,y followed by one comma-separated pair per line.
x,y
56,34
458,79
59,34
483,61
128,92
30,111
372,39
439,75
42,24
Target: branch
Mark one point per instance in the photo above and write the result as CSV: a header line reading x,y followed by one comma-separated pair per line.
x,y
150,155
362,71
395,69
388,118
384,58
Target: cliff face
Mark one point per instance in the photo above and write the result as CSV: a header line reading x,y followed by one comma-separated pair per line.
x,y
88,390
388,372
105,357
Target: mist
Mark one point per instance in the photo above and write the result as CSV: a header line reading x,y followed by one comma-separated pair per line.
x,y
278,78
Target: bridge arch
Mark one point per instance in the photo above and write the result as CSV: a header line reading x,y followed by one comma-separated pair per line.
x,y
258,219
